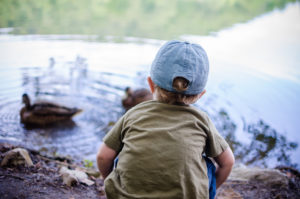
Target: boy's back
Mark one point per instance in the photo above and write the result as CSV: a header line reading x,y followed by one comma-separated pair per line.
x,y
161,147
160,143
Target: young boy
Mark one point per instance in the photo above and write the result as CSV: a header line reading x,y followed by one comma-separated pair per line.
x,y
160,143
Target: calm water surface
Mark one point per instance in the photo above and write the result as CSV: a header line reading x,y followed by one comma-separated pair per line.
x,y
252,95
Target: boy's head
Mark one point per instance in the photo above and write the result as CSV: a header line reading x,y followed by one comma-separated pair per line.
x,y
180,68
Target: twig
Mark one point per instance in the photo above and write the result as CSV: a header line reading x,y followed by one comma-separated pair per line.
x,y
58,162
235,182
14,176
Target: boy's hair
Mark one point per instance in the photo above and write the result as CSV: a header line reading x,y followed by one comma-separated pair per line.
x,y
180,84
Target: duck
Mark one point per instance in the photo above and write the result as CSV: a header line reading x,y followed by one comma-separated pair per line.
x,y
43,112
134,97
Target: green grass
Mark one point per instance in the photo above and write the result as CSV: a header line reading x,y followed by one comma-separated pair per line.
x,y
161,19
88,163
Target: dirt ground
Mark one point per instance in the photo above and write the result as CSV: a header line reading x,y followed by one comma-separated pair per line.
x,y
257,190
43,181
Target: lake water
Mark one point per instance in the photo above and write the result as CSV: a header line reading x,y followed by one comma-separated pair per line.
x,y
252,94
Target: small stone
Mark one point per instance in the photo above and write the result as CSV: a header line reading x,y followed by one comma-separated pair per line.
x,y
268,176
17,156
91,172
229,193
71,177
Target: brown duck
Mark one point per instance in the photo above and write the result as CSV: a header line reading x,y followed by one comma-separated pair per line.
x,y
135,97
43,113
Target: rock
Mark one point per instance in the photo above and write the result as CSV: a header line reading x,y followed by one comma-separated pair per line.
x,y
68,178
17,156
71,177
89,171
229,193
268,176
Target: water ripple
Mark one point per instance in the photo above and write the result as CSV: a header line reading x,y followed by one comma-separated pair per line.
x,y
98,94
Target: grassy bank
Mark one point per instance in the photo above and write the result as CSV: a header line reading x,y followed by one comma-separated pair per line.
x,y
141,18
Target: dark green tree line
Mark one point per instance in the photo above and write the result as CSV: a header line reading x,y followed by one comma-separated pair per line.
x,y
142,18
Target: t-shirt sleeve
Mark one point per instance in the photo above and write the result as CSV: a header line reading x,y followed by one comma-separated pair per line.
x,y
113,138
215,143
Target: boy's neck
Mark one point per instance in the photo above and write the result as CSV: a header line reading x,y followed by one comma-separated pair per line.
x,y
175,103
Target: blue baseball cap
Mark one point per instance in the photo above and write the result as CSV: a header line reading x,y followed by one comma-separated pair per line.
x,y
180,59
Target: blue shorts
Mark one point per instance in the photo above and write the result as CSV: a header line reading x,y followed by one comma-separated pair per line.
x,y
211,173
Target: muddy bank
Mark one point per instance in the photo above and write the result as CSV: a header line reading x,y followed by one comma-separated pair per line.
x,y
44,180
247,183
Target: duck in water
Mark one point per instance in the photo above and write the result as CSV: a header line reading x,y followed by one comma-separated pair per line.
x,y
43,112
135,97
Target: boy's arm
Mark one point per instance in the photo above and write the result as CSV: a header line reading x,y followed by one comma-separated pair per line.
x,y
225,163
105,160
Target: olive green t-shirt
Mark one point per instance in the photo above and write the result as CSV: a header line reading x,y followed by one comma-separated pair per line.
x,y
160,150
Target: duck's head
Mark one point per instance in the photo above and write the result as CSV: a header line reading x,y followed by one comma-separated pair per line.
x,y
128,93
26,100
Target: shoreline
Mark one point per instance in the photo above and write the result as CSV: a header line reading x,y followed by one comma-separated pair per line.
x,y
44,180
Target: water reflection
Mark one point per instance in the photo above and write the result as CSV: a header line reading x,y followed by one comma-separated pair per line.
x,y
267,142
266,146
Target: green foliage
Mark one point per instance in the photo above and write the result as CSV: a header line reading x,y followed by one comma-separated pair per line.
x,y
143,18
88,163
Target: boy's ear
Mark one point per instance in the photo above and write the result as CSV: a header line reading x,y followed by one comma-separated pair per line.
x,y
151,84
201,94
